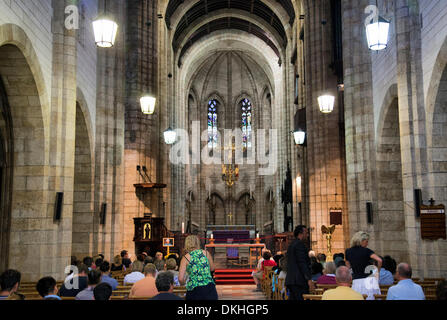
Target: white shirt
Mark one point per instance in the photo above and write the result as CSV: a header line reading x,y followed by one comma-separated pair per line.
x,y
133,277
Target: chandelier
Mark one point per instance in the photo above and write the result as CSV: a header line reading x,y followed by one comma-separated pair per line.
x,y
230,174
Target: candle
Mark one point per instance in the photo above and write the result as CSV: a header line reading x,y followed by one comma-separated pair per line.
x,y
183,227
212,236
257,235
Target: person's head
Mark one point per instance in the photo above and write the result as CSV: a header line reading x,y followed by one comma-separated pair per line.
x,y
102,292
137,266
277,257
171,264
150,270
321,257
360,239
441,290
94,278
312,254
301,232
88,261
389,264
343,276
73,260
165,282
160,265
140,257
101,256
117,260
125,254
192,243
46,286
83,270
330,268
10,281
105,267
340,263
159,256
317,268
148,259
98,262
404,271
267,255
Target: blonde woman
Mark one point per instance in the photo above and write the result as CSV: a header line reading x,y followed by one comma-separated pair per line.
x,y
117,264
197,264
358,258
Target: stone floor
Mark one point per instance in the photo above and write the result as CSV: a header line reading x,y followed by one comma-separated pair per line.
x,y
239,292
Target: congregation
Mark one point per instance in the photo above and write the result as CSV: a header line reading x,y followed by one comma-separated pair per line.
x,y
297,274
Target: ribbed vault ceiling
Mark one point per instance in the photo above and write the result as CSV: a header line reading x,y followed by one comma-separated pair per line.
x,y
252,8
228,23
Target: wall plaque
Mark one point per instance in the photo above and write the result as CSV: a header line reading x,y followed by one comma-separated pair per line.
x,y
433,222
336,217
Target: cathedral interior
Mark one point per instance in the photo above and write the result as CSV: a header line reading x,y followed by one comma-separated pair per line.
x,y
213,115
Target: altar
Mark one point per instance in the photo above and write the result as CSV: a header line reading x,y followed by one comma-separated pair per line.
x,y
231,234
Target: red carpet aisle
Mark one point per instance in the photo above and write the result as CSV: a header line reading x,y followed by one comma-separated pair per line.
x,y
239,292
233,277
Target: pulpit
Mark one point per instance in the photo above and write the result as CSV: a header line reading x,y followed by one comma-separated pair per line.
x,y
149,234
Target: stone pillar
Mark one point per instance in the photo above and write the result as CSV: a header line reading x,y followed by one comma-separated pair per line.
x,y
109,144
413,131
325,159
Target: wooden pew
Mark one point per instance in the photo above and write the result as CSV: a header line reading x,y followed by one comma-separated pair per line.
x,y
312,297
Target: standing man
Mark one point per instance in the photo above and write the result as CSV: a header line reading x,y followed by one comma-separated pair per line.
x,y
299,275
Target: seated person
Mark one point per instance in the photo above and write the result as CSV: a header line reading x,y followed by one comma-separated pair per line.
x,y
328,276
125,257
94,278
259,274
405,289
160,265
171,265
47,288
117,264
148,260
75,285
102,292
159,256
321,257
165,286
98,262
145,287
136,274
343,291
9,283
317,270
385,276
276,258
105,271
88,261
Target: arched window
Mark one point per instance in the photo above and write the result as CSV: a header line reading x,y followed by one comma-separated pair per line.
x,y
212,124
246,123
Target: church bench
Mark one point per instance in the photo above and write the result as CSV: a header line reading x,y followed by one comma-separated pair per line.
x,y
140,298
312,296
118,297
434,280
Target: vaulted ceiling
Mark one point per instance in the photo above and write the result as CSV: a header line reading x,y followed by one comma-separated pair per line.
x,y
254,16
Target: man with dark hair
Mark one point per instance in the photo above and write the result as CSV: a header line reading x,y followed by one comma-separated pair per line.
x,y
94,278
106,278
47,288
88,261
299,276
126,259
102,292
79,282
165,286
9,283
98,263
405,289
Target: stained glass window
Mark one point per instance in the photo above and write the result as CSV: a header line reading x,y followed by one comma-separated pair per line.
x,y
246,123
212,124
